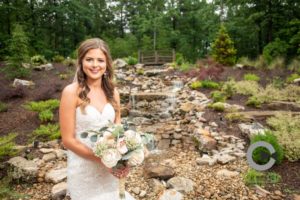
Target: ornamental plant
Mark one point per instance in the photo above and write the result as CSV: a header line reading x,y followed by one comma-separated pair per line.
x,y
223,50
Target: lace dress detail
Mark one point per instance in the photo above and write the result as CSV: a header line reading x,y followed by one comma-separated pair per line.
x,y
87,180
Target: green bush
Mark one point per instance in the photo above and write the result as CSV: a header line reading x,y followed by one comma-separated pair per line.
x,y
229,88
140,71
18,54
7,145
278,82
195,85
253,177
218,96
58,59
3,107
38,60
277,48
258,153
235,117
254,102
8,192
47,132
179,59
46,115
287,128
184,67
261,63
245,61
69,62
292,77
40,106
277,63
295,66
218,106
223,50
131,60
247,87
63,76
251,77
210,84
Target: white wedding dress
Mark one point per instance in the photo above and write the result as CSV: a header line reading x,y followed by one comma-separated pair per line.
x,y
87,180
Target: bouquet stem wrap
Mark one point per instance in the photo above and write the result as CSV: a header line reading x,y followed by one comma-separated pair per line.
x,y
122,187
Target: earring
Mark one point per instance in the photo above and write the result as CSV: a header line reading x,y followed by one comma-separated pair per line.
x,y
105,74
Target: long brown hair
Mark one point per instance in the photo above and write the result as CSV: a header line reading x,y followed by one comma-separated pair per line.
x,y
107,80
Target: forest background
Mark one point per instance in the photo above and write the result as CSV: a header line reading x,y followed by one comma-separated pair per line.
x,y
55,27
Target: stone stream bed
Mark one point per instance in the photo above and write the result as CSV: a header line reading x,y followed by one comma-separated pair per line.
x,y
191,159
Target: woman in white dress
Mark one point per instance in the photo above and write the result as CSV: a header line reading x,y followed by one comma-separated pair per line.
x,y
90,102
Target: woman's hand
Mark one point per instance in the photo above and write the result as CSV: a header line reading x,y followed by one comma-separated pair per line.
x,y
119,172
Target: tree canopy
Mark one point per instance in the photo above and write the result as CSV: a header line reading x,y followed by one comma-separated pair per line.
x,y
55,27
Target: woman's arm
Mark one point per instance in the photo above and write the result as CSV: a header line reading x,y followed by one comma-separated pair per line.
x,y
67,110
118,113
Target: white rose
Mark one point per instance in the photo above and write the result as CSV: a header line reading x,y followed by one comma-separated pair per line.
x,y
133,136
136,158
121,146
110,157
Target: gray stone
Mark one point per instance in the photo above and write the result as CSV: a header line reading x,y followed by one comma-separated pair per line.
x,y
206,160
119,63
46,67
59,191
23,169
49,157
20,82
227,173
155,170
56,175
171,194
224,158
181,184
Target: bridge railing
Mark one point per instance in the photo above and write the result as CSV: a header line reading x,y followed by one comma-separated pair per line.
x,y
158,57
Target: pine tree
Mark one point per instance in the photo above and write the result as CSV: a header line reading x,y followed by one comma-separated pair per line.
x,y
18,53
223,50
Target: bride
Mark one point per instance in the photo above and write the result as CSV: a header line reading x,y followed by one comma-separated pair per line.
x,y
91,101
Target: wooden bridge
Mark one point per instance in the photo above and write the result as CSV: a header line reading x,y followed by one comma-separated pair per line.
x,y
158,57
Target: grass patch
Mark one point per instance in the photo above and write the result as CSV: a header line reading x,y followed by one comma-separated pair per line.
x,y
8,146
251,77
253,177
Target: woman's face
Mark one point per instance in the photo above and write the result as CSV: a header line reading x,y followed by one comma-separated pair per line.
x,y
94,64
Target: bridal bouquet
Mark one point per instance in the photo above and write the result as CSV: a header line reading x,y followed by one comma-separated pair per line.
x,y
116,145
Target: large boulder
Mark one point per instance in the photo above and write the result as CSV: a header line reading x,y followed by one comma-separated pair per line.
x,y
22,169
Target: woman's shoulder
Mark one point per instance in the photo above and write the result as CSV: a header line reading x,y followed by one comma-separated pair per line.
x,y
71,89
